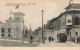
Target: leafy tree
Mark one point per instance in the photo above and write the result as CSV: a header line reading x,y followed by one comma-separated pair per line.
x,y
37,30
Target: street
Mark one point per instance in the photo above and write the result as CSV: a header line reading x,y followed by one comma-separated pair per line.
x,y
19,43
59,44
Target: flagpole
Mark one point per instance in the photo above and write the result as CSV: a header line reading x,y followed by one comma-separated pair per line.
x,y
70,1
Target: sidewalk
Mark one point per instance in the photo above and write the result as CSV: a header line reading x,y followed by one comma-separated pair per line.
x,y
14,40
73,43
47,44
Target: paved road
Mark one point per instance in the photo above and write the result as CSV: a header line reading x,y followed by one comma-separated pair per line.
x,y
56,44
8,43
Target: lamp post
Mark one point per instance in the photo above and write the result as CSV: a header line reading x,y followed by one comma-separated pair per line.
x,y
42,28
23,33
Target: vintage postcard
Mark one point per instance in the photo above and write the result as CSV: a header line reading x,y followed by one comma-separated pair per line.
x,y
40,23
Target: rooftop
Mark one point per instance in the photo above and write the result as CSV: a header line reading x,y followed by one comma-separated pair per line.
x,y
19,13
73,6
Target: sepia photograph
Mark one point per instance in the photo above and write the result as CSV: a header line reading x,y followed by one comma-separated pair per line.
x,y
40,23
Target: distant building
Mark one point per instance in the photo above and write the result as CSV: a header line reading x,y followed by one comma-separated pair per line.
x,y
30,32
13,26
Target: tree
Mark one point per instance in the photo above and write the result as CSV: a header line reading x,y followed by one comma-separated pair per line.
x,y
37,30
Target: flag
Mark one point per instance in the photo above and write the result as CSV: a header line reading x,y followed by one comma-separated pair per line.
x,y
70,2
17,6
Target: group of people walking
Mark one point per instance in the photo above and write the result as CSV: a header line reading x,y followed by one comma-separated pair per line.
x,y
50,39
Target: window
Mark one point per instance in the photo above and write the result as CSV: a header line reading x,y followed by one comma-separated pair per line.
x,y
9,35
14,34
9,30
2,35
70,33
69,21
76,33
76,21
63,22
2,30
17,18
59,24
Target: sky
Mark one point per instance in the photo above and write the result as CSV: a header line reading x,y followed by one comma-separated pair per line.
x,y
33,15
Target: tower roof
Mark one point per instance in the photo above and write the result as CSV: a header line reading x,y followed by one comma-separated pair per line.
x,y
30,30
73,6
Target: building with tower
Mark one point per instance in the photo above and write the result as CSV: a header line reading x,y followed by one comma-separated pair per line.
x,y
13,26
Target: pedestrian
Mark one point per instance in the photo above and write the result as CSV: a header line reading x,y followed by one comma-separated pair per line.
x,y
49,39
31,40
52,38
77,40
38,40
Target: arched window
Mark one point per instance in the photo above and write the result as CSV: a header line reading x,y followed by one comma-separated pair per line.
x,y
76,21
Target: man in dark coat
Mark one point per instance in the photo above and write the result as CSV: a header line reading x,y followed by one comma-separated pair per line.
x,y
31,40
49,38
52,38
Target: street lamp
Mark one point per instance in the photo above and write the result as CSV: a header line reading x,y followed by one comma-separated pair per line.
x,y
42,28
23,32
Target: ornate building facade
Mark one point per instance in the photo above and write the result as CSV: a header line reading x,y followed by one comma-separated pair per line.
x,y
67,22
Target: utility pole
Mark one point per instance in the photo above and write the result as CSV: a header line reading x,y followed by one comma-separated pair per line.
x,y
42,28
